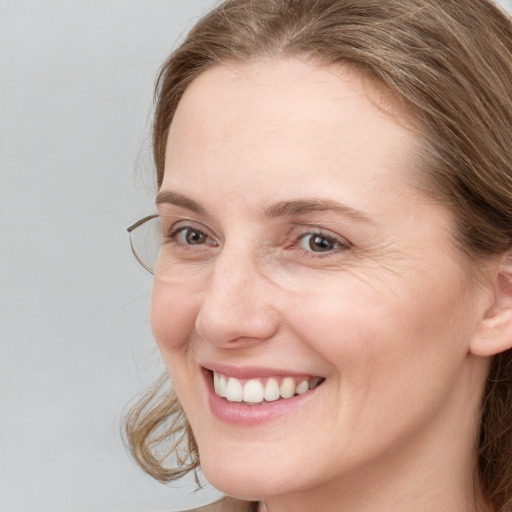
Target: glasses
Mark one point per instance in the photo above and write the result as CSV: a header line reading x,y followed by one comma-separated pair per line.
x,y
309,243
145,240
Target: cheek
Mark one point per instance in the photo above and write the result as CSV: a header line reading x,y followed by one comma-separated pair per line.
x,y
173,316
376,338
394,361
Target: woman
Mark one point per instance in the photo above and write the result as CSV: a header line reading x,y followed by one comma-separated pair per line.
x,y
333,290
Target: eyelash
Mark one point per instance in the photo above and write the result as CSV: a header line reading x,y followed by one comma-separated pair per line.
x,y
174,234
338,244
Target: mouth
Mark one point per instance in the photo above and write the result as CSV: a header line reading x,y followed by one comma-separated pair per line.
x,y
258,391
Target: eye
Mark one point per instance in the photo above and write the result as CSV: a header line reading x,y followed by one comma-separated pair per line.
x,y
320,243
191,236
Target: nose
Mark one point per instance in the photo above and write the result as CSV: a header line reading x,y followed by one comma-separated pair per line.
x,y
237,305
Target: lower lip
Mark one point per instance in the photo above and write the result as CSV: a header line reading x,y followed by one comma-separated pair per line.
x,y
239,413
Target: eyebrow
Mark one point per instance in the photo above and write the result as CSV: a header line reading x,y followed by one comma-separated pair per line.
x,y
303,206
280,209
169,197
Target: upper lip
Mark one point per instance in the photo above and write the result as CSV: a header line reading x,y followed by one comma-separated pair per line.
x,y
252,372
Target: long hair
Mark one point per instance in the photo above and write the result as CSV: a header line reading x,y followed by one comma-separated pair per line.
x,y
450,63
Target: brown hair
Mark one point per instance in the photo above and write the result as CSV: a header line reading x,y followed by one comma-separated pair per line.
x,y
450,62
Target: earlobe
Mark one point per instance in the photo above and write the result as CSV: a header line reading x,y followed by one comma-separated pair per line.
x,y
494,334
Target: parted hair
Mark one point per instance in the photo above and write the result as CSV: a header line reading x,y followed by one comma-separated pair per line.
x,y
450,63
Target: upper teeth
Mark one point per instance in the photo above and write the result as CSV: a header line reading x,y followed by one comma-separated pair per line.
x,y
254,391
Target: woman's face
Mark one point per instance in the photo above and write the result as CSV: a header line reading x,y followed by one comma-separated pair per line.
x,y
299,261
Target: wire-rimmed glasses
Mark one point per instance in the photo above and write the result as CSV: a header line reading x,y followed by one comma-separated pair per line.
x,y
145,240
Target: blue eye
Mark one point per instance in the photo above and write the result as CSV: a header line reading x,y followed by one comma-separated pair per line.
x,y
318,242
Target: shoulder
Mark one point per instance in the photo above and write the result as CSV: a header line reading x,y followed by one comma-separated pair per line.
x,y
226,505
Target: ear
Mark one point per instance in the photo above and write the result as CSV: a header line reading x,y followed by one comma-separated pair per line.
x,y
494,334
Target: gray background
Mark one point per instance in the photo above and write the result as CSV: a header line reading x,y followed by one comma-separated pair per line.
x,y
76,80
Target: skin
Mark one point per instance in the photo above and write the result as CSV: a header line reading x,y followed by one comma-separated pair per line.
x,y
386,315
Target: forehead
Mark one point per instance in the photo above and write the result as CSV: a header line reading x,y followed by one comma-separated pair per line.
x,y
285,120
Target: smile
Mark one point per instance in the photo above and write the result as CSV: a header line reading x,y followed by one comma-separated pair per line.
x,y
257,391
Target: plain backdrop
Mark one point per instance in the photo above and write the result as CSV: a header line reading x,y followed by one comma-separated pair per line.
x,y
76,80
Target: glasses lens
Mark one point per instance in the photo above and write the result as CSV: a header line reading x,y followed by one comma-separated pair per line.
x,y
146,239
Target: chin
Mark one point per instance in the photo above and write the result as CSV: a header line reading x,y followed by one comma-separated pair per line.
x,y
243,480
